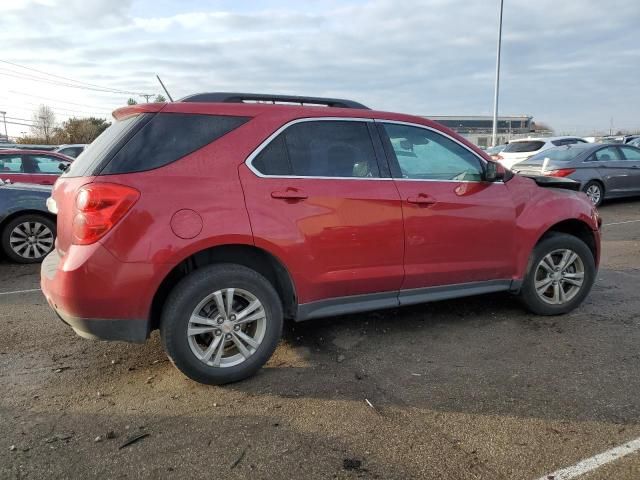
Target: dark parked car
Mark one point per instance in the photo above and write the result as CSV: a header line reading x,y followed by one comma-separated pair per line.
x,y
27,228
604,171
32,166
215,218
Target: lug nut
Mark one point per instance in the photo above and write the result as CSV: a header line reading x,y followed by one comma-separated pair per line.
x,y
232,317
227,336
220,321
218,332
236,328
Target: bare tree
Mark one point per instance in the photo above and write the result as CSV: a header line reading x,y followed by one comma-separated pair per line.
x,y
44,121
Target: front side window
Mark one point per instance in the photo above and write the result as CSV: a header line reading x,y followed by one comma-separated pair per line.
x,y
630,153
45,164
328,148
426,155
11,164
607,154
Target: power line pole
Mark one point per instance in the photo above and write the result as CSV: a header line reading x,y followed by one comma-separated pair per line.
x,y
4,120
146,96
497,85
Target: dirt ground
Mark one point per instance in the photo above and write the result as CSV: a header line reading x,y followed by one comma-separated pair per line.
x,y
464,389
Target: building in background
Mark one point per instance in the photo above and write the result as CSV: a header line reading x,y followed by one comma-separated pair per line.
x,y
478,128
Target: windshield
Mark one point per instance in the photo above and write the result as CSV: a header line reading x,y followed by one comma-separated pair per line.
x,y
526,146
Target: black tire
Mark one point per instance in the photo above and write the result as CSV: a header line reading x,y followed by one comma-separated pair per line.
x,y
186,296
15,223
600,188
548,244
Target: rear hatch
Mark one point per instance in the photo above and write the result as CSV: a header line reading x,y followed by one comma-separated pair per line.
x,y
520,150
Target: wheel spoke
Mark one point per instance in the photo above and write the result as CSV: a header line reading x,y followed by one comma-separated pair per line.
x,y
20,232
247,339
200,320
211,349
556,293
241,348
548,264
218,357
259,315
199,330
229,300
248,309
569,261
543,285
561,295
573,281
36,250
27,228
220,304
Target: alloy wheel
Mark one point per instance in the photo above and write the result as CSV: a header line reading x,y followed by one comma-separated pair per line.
x,y
31,240
226,327
594,194
559,276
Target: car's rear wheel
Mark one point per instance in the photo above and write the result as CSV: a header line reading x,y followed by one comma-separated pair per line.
x,y
29,238
560,275
221,323
595,192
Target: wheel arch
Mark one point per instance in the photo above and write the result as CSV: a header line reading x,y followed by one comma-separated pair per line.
x,y
578,229
19,213
258,259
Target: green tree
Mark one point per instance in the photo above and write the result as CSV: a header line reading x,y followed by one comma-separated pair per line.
x,y
132,101
160,98
80,130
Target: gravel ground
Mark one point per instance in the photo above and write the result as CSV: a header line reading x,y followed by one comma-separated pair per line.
x,y
465,389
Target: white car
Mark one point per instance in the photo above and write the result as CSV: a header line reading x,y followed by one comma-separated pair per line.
x,y
521,149
71,150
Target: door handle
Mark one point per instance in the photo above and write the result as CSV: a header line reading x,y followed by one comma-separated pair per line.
x,y
421,199
290,194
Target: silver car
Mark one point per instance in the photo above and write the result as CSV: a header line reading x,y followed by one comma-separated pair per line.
x,y
604,171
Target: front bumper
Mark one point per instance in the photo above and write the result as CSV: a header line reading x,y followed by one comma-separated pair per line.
x,y
97,296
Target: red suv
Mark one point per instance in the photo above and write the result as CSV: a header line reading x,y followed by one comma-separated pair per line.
x,y
217,217
32,166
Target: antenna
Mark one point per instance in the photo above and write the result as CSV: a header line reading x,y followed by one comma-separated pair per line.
x,y
164,88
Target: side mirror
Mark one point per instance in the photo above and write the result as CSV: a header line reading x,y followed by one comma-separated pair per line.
x,y
63,166
495,172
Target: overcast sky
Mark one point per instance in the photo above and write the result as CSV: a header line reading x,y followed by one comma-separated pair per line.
x,y
574,64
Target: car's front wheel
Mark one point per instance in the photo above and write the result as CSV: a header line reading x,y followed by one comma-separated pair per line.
x,y
561,273
221,323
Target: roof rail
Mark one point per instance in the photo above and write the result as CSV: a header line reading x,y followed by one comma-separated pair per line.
x,y
225,97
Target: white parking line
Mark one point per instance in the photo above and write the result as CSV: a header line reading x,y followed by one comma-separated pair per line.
x,y
20,291
597,461
620,223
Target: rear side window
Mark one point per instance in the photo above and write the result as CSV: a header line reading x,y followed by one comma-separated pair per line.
x,y
517,147
630,153
45,164
167,137
321,149
11,164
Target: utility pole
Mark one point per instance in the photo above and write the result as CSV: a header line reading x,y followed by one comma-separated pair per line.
x,y
497,85
4,120
146,96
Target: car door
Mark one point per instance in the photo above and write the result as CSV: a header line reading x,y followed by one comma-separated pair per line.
x,y
12,168
320,197
612,169
631,183
459,229
44,169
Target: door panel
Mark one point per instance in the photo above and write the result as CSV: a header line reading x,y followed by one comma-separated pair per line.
x,y
631,182
612,169
456,230
316,200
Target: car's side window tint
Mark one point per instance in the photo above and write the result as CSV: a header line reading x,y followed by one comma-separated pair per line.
x,y
426,155
11,164
46,164
321,149
607,154
630,153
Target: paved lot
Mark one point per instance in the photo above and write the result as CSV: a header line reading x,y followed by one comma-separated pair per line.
x,y
466,389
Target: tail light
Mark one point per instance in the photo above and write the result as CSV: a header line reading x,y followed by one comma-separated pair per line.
x,y
99,206
497,157
562,172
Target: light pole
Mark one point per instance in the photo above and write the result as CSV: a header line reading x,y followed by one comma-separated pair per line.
x,y
4,120
497,86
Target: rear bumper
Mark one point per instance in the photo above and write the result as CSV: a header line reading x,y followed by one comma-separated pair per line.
x,y
134,331
98,296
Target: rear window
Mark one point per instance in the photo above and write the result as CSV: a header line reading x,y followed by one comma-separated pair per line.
x,y
148,141
517,147
167,138
561,154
